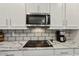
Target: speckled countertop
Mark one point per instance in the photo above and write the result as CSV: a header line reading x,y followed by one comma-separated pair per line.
x,y
18,45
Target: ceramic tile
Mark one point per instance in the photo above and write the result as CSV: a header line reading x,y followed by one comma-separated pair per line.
x,y
26,38
42,38
45,34
19,38
34,38
26,31
48,38
6,38
30,34
22,34
38,34
11,38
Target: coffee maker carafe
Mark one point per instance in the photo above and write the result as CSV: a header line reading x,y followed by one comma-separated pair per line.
x,y
60,36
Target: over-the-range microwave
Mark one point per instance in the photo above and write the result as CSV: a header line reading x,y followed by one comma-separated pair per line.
x,y
38,19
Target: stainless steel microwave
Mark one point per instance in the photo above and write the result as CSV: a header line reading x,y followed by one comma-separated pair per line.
x,y
38,19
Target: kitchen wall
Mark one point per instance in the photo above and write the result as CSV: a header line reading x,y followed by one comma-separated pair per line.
x,y
35,34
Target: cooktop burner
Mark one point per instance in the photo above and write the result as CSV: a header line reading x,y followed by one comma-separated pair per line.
x,y
37,43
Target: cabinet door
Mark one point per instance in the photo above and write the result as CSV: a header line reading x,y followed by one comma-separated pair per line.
x,y
72,14
38,53
44,7
63,52
31,7
3,21
3,15
17,14
57,14
76,52
37,7
11,53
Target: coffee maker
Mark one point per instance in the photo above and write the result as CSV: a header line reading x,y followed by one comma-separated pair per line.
x,y
60,36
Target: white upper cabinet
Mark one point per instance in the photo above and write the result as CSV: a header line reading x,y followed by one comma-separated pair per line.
x,y
44,7
17,14
12,14
72,14
31,7
37,7
3,15
57,14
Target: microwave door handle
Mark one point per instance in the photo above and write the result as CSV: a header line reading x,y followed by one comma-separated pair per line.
x,y
46,19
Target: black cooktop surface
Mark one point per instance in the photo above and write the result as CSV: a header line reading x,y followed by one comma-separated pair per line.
x,y
37,43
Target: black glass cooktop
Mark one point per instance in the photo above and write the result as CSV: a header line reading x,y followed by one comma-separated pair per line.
x,y
37,43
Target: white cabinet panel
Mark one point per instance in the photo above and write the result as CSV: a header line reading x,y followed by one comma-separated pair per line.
x,y
3,15
3,21
57,14
11,53
38,53
31,7
37,7
76,52
44,7
17,14
72,14
12,14
63,52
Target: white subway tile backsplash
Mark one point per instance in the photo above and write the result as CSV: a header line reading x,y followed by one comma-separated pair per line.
x,y
47,31
31,35
6,38
67,34
38,34
54,38
11,38
16,34
50,31
68,38
26,38
10,31
42,38
7,34
22,34
19,38
34,38
27,31
48,38
44,34
19,31
51,34
5,31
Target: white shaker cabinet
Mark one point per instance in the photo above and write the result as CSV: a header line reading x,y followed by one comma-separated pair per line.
x,y
63,52
57,12
17,14
38,53
37,7
44,7
12,14
11,53
72,15
3,21
76,51
3,16
31,7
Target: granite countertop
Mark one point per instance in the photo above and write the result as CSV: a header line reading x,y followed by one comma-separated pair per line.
x,y
18,45
11,45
